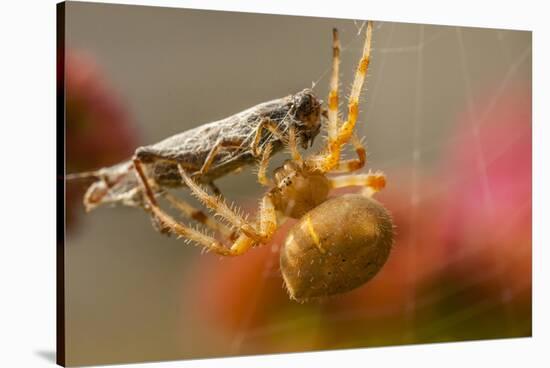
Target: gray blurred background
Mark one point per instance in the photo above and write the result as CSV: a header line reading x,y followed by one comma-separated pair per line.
x,y
177,68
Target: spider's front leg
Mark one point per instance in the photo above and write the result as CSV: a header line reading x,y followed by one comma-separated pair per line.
x,y
292,144
248,234
339,137
190,212
263,165
371,182
353,164
267,215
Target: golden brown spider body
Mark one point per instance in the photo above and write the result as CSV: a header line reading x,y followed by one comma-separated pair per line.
x,y
336,247
339,243
298,189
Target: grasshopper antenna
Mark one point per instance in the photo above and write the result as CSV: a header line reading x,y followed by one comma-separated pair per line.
x,y
82,175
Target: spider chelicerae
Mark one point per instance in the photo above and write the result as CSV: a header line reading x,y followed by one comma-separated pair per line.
x,y
338,243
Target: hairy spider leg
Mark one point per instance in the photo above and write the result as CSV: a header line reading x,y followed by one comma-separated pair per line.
x,y
293,145
199,216
373,182
333,96
331,159
266,212
263,165
238,247
354,164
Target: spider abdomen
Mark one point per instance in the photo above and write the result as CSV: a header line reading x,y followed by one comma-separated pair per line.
x,y
336,247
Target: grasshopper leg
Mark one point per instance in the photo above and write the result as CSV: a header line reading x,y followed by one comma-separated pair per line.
x,y
247,236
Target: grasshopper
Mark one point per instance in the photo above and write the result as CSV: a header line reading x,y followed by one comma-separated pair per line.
x,y
208,151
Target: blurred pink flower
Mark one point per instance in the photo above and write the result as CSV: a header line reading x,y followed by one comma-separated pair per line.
x,y
488,224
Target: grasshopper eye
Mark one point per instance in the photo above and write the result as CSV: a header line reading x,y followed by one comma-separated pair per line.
x,y
306,103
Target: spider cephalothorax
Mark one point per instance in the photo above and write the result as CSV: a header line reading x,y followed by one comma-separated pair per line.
x,y
338,243
298,188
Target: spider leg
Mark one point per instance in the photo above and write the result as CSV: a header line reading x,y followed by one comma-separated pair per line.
x,y
195,214
354,164
239,246
293,145
372,182
216,204
264,162
294,152
334,145
262,166
333,95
